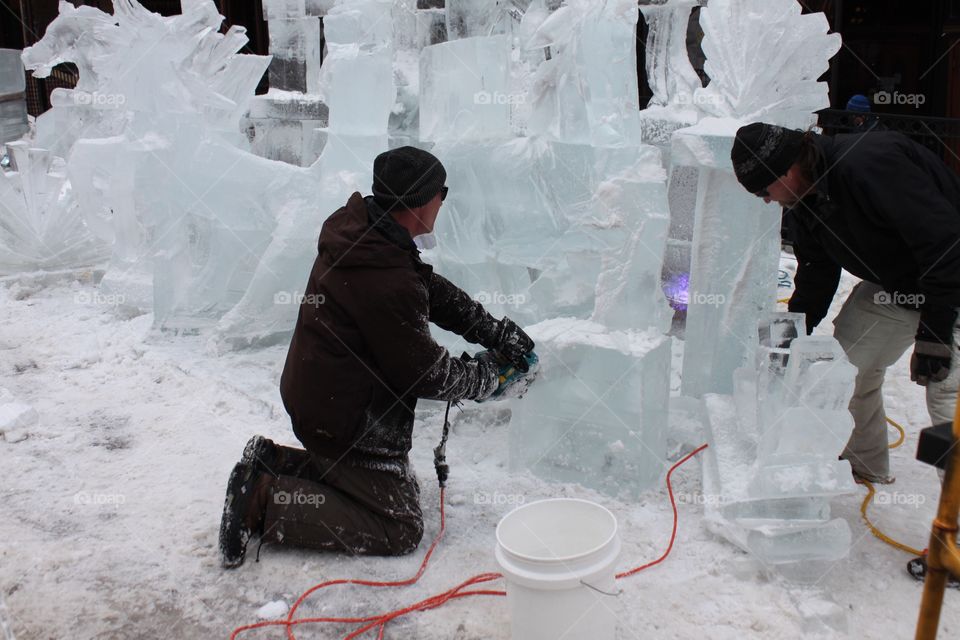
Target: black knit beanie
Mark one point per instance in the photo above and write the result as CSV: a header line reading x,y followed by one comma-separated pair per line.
x,y
764,152
406,178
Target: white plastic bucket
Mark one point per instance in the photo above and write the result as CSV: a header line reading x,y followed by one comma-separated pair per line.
x,y
558,559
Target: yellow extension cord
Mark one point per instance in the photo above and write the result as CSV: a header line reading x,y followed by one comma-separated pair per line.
x,y
871,492
869,498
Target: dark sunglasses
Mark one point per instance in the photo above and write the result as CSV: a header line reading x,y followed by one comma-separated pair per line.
x,y
763,193
443,192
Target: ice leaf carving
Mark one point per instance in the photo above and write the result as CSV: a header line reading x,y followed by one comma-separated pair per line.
x,y
763,59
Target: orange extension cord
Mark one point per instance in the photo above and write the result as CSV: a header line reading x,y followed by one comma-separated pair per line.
x,y
462,590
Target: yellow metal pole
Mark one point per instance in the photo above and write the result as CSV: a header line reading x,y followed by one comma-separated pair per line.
x,y
943,557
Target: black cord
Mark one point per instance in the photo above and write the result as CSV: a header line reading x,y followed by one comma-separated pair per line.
x,y
440,451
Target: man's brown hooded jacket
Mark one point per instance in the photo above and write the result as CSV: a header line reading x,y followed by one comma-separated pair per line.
x,y
362,353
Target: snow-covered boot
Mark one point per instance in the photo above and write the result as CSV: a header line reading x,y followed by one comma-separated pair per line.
x,y
243,512
268,457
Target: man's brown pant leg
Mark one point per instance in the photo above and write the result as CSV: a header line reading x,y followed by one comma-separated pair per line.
x,y
345,508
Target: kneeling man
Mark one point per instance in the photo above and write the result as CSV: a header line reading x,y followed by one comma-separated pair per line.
x,y
360,356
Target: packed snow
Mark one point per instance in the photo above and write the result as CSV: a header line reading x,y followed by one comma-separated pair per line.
x,y
111,504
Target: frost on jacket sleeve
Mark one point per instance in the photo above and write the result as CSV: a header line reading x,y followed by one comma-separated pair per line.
x,y
452,309
817,278
906,197
393,319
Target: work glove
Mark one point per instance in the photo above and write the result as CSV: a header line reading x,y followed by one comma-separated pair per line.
x,y
930,362
513,344
511,382
487,363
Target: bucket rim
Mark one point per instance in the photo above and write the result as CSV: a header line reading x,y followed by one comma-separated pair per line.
x,y
593,550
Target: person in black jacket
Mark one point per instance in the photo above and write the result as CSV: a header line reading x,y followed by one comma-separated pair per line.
x,y
886,210
360,357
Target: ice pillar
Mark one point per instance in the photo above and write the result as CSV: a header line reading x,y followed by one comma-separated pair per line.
x,y
735,252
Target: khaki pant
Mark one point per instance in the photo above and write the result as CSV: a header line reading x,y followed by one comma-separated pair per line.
x,y
319,503
874,336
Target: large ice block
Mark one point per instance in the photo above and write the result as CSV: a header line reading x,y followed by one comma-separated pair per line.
x,y
465,90
13,103
367,24
774,546
597,414
471,18
358,87
284,9
283,125
587,91
295,44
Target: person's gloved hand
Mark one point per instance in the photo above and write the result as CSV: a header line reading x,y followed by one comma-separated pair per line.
x,y
930,362
488,364
513,343
511,382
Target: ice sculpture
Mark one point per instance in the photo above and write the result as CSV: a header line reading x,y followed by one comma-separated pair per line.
x,y
13,102
147,84
772,468
763,59
736,236
40,223
357,84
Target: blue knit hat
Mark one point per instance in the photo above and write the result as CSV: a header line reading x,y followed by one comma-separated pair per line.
x,y
859,103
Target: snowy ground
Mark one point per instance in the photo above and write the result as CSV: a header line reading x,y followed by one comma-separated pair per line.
x,y
110,505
